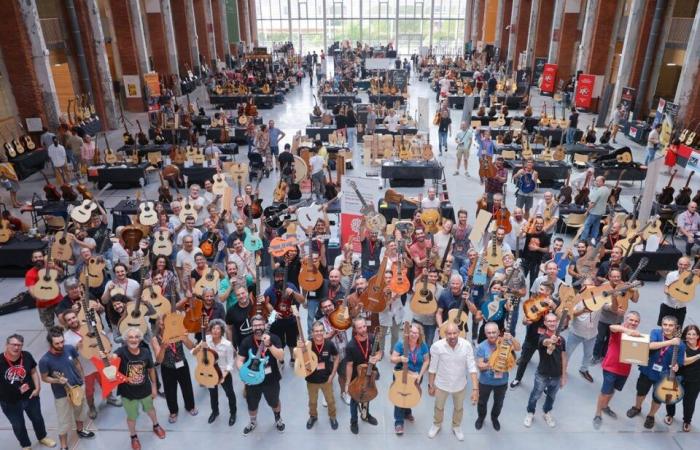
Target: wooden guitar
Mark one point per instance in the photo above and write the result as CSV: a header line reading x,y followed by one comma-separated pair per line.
x,y
83,212
669,390
666,195
135,314
536,307
405,391
363,388
340,318
207,372
683,197
503,358
445,265
399,284
373,298
173,322
305,360
153,294
616,190
587,263
141,137
626,243
494,257
683,289
423,300
581,198
147,210
62,249
622,301
46,287
195,307
212,277
162,245
594,297
310,278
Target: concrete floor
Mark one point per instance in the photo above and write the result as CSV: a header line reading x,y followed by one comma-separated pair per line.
x,y
573,409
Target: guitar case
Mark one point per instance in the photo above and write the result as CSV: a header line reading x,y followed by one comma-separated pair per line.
x,y
609,161
20,301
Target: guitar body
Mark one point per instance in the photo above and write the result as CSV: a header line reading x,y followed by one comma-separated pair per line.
x,y
173,327
653,229
310,278
208,246
684,288
252,241
594,298
458,317
147,214
253,371
61,249
340,318
305,360
494,258
162,245
210,280
373,297
399,283
193,316
493,309
669,391
89,348
502,359
423,301
404,394
96,275
154,296
207,372
134,318
587,263
110,377
375,222
535,308
46,288
363,388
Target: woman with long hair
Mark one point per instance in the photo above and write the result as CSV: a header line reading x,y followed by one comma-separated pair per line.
x,y
690,377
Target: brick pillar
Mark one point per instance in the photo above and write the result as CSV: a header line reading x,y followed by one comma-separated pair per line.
x,y
522,30
500,14
126,47
476,11
217,14
243,21
557,17
512,34
630,46
603,29
201,25
184,56
210,35
544,29
507,6
192,34
26,59
644,17
253,24
159,43
171,40
568,37
532,32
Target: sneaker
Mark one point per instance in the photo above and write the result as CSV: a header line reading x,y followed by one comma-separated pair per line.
x,y
85,434
458,433
159,431
515,383
398,429
410,418
231,420
596,361
433,431
92,413
496,424
114,400
248,429
346,398
597,422
47,442
586,375
135,443
633,412
528,420
549,420
610,412
370,419
479,423
324,403
280,426
310,423
649,422
354,428
334,423
456,173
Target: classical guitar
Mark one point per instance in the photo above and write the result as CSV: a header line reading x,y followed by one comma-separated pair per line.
x,y
363,387
305,360
666,195
46,287
253,370
147,210
405,391
587,263
494,256
94,277
135,314
194,306
683,289
563,319
62,249
83,212
212,277
340,318
173,322
669,390
207,371
91,328
310,278
162,245
594,297
153,294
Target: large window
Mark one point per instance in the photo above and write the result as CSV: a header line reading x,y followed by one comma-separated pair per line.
x,y
369,21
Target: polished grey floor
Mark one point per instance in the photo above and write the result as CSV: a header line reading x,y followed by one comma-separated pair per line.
x,y
573,409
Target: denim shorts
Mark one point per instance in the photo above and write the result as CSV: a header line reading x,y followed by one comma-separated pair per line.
x,y
612,382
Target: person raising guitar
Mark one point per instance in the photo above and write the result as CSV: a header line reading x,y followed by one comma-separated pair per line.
x,y
525,180
270,387
46,309
339,339
358,352
321,378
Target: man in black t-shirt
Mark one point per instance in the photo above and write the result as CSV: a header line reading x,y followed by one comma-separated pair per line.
x,y
536,246
444,128
19,392
322,377
551,371
358,352
270,387
237,317
573,126
286,161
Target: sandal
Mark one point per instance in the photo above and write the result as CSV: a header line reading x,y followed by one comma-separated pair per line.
x,y
172,418
193,411
686,427
668,420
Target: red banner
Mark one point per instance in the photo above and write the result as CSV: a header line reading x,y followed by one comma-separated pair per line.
x,y
350,230
584,90
549,77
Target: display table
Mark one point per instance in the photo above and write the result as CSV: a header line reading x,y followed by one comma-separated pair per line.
x,y
330,100
408,209
121,177
232,101
410,173
16,255
198,174
323,132
181,134
593,151
381,129
548,171
387,99
144,150
457,102
125,208
632,173
29,163
663,260
556,134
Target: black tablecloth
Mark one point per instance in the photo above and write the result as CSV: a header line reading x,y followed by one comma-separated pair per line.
x,y
381,129
391,210
201,121
16,256
592,150
121,177
59,208
664,259
547,171
517,148
214,134
144,150
198,174
232,101
386,98
183,134
457,101
425,170
125,208
556,134
29,162
324,132
330,100
632,173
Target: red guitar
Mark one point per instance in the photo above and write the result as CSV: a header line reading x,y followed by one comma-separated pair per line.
x,y
108,369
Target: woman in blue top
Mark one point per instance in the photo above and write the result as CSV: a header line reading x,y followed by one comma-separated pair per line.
x,y
417,356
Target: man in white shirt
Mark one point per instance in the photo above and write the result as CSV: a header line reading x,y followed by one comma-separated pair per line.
x,y
652,144
670,306
431,201
318,179
548,209
59,160
198,202
392,122
688,224
189,231
185,257
450,360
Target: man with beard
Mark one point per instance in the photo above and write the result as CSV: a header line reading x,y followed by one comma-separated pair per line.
x,y
340,340
579,252
270,387
536,246
46,309
460,241
237,317
19,392
517,223
321,378
281,298
358,352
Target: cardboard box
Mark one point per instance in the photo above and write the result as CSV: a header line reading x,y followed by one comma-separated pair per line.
x,y
634,350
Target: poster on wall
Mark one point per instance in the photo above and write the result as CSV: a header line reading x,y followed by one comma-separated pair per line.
x,y
549,77
584,90
539,69
628,96
132,86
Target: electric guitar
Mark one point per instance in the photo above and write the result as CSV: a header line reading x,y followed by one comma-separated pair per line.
x,y
252,372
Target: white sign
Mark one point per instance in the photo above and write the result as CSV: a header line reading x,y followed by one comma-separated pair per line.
x,y
350,202
132,86
379,63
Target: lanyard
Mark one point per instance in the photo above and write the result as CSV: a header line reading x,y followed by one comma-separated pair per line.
x,y
371,249
365,351
413,355
257,344
320,349
13,365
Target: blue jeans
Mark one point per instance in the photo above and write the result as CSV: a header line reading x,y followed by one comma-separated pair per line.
x,y
400,414
15,414
591,227
543,385
352,137
651,154
573,341
354,407
570,135
311,317
443,140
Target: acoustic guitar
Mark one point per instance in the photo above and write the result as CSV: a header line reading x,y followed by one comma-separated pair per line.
x,y
153,294
62,249
162,245
363,388
305,360
83,212
135,315
46,287
195,307
310,278
174,321
94,277
207,372
683,289
536,307
683,197
666,195
405,391
399,284
373,298
340,318
594,297
669,390
212,277
147,210
423,300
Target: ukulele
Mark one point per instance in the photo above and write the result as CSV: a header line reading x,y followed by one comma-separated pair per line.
x,y
305,360
669,390
405,391
683,289
207,371
666,195
310,279
340,318
363,387
46,287
683,197
212,277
